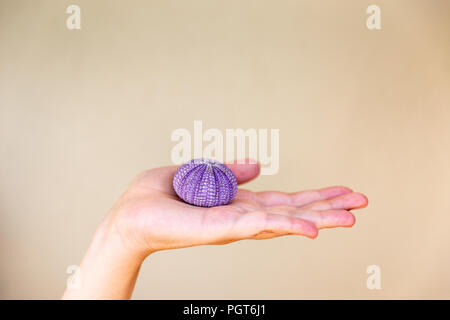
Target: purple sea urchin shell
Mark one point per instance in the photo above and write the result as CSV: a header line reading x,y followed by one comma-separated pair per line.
x,y
205,183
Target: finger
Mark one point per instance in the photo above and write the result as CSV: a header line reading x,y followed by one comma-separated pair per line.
x,y
321,219
299,199
158,178
328,219
348,201
254,224
244,170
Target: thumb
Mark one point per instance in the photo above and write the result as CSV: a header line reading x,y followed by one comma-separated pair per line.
x,y
244,170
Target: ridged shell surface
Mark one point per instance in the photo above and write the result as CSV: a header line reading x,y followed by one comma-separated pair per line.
x,y
205,183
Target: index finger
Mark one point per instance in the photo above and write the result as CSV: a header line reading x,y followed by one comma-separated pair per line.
x,y
301,198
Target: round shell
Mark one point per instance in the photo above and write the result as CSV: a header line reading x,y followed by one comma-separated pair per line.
x,y
205,183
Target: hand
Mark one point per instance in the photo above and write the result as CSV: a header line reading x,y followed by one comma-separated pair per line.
x,y
150,217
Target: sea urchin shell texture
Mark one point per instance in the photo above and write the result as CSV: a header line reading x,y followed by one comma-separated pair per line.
x,y
205,183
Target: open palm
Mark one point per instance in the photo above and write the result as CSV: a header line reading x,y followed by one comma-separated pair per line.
x,y
150,216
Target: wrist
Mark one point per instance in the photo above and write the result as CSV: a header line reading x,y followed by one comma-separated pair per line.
x,y
108,270
107,240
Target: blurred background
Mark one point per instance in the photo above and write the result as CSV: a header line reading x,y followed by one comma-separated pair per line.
x,y
84,111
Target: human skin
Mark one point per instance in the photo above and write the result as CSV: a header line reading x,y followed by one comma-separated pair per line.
x,y
149,217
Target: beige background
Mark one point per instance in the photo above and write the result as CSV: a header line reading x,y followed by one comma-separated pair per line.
x,y
82,112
